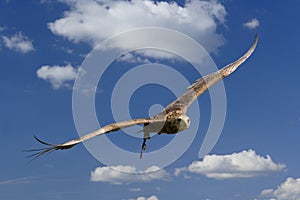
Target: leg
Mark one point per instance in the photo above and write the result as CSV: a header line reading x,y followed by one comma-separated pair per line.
x,y
144,146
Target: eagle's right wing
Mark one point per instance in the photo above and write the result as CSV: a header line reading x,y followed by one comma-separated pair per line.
x,y
101,131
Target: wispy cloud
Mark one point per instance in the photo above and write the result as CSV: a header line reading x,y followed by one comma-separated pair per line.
x,y
245,164
132,58
290,190
58,76
128,174
135,189
18,42
23,180
252,24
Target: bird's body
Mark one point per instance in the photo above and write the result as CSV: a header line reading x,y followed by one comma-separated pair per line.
x,y
171,120
170,125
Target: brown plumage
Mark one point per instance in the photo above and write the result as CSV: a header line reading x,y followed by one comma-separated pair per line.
x,y
171,120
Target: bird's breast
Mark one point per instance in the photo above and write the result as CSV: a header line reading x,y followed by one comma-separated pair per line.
x,y
170,127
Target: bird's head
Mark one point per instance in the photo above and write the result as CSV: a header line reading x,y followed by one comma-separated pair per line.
x,y
184,122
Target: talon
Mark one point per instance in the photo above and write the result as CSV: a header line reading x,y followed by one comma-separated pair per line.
x,y
144,147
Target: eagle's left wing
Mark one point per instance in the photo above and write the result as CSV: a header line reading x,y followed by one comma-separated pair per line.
x,y
202,84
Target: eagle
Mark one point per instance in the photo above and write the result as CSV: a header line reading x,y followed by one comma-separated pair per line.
x,y
171,120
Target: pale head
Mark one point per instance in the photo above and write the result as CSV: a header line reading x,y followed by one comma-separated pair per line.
x,y
184,122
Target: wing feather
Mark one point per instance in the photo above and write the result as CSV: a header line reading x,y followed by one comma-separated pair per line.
x,y
202,84
106,129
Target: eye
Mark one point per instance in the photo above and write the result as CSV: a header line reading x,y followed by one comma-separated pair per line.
x,y
178,120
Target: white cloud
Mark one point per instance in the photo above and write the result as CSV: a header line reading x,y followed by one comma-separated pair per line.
x,y
132,58
244,164
18,42
57,75
252,24
153,197
93,21
135,189
127,174
290,190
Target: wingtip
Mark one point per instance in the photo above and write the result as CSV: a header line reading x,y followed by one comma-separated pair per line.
x,y
42,142
256,38
252,48
228,69
254,43
40,151
51,147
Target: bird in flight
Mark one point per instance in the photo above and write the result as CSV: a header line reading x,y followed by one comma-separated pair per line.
x,y
171,120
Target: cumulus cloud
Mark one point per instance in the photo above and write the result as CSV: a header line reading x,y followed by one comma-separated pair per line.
x,y
93,21
252,24
18,42
244,164
127,174
57,75
153,197
290,190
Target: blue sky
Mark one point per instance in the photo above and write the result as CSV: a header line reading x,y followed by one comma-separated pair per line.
x,y
42,44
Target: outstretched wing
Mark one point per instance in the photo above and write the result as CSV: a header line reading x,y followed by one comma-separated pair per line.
x,y
201,85
101,131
